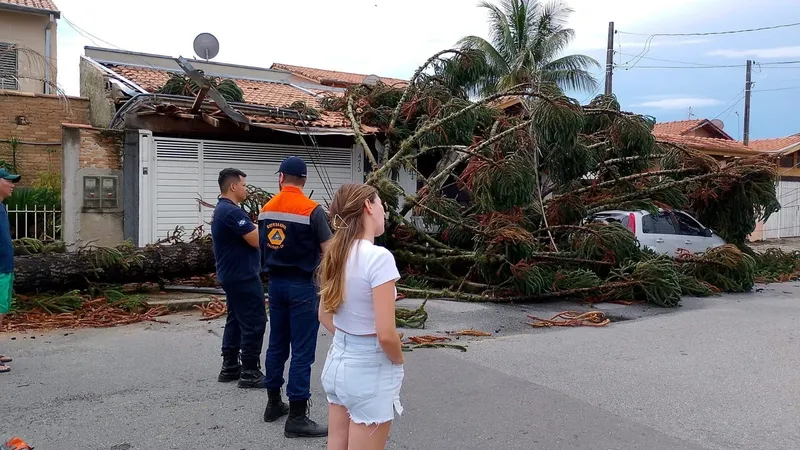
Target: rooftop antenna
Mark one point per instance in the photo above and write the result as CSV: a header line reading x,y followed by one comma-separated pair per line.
x,y
206,46
718,123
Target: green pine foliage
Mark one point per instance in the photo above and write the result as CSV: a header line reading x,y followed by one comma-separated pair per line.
x,y
531,175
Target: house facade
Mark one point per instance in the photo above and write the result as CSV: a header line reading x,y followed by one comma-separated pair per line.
x,y
28,46
709,137
175,146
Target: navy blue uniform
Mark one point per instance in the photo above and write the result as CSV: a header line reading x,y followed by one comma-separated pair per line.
x,y
238,271
291,229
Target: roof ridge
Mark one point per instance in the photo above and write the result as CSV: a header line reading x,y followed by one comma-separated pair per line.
x,y
332,70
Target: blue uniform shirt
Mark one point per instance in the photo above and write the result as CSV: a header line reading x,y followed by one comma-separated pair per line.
x,y
6,249
235,259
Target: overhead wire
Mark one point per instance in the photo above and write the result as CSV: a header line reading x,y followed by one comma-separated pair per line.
x,y
713,33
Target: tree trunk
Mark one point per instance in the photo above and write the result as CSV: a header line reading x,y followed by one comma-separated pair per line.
x,y
66,271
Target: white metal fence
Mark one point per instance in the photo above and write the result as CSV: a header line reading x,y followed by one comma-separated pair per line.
x,y
38,222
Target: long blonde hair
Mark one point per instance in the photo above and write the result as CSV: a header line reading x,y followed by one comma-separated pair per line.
x,y
346,212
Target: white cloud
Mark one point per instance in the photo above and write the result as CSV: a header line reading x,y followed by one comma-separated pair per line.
x,y
766,53
385,37
679,103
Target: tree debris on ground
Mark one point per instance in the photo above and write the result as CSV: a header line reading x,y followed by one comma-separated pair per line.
x,y
411,318
572,319
777,266
429,341
76,310
214,309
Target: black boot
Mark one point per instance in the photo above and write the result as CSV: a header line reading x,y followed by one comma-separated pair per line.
x,y
251,376
276,408
299,425
230,368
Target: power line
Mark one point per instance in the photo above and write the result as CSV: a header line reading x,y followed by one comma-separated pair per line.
x,y
720,66
711,33
791,88
665,60
738,98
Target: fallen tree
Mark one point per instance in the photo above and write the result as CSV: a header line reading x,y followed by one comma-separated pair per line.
x,y
526,180
503,200
43,270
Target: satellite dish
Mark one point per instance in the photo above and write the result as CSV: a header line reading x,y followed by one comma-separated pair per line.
x,y
718,123
371,80
206,46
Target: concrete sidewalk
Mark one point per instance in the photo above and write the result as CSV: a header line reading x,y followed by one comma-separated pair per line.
x,y
719,373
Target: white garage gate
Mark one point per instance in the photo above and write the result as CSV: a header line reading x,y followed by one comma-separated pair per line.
x,y
786,222
183,170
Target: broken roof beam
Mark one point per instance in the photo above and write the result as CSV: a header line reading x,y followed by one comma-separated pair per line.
x,y
198,101
198,77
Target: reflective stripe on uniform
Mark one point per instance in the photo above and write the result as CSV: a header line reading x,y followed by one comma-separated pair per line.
x,y
286,217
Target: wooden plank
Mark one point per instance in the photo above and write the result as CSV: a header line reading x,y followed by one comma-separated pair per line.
x,y
198,101
209,120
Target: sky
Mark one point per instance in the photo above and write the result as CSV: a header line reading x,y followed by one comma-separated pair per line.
x,y
663,76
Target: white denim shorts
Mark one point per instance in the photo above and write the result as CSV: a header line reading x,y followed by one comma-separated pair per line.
x,y
359,376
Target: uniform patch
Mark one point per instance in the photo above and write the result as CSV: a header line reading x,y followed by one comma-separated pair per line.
x,y
242,222
276,235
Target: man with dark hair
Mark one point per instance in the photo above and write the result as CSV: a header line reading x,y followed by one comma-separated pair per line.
x,y
238,262
294,231
7,181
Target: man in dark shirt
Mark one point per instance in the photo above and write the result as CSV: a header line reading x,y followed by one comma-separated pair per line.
x,y
238,262
7,181
294,231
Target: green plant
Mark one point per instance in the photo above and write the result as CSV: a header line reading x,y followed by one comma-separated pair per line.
x,y
14,143
181,85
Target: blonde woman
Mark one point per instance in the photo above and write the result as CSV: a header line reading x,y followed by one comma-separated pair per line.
x,y
364,368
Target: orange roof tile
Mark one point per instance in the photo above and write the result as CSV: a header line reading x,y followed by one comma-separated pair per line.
x,y
319,75
677,127
704,143
46,5
255,92
766,145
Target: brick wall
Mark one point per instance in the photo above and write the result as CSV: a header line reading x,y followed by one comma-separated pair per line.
x,y
101,149
41,117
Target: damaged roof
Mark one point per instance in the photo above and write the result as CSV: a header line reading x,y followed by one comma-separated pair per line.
x,y
256,92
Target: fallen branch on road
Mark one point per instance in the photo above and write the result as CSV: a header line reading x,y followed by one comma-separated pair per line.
x,y
572,319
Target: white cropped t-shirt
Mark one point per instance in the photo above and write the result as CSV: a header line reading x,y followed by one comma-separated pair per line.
x,y
368,266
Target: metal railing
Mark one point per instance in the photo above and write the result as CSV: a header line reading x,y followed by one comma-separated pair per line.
x,y
37,222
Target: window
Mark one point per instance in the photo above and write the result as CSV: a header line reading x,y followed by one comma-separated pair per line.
x,y
688,226
660,224
787,161
8,66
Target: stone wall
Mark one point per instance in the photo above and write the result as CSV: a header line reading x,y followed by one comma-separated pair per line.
x,y
35,119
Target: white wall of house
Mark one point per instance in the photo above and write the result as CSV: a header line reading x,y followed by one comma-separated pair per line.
x,y
786,222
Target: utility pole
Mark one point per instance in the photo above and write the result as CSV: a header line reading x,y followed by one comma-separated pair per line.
x,y
747,88
610,58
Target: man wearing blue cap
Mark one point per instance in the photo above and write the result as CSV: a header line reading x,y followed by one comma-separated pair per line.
x,y
293,230
7,181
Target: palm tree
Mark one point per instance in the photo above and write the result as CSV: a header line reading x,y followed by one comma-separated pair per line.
x,y
527,39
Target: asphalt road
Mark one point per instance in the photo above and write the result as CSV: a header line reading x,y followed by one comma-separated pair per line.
x,y
720,373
